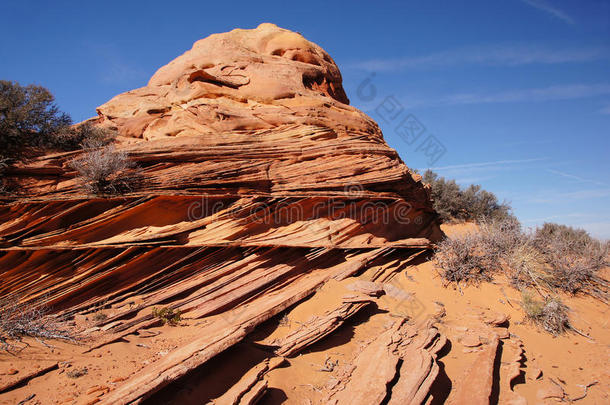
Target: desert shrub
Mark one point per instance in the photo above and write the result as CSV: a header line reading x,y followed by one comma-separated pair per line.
x,y
555,257
18,320
167,315
572,255
84,136
476,256
550,314
454,203
28,118
464,259
106,170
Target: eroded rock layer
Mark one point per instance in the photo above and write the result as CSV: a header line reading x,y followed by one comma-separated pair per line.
x,y
261,186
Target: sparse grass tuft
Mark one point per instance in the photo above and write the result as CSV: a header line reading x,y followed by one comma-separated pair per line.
x,y
99,316
550,314
168,315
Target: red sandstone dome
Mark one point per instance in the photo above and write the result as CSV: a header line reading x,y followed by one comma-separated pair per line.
x,y
263,185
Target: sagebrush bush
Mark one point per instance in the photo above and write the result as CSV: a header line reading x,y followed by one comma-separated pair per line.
x,y
106,170
572,255
555,257
472,203
476,256
464,259
550,314
18,320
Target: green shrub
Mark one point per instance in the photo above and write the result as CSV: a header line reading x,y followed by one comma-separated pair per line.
x,y
456,204
84,136
167,315
28,118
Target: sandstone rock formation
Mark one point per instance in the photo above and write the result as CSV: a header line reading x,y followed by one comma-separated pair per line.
x,y
246,141
261,184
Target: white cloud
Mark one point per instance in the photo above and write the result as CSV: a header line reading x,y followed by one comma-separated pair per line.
x,y
496,163
572,195
548,8
494,55
550,93
574,177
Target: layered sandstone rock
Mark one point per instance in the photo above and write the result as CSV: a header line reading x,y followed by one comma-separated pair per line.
x,y
262,185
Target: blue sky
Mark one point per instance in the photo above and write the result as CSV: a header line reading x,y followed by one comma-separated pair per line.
x,y
515,92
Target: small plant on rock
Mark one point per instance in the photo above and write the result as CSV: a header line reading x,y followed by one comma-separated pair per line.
x,y
77,372
99,316
168,316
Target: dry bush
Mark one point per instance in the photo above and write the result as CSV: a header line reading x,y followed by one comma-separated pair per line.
x,y
167,315
106,170
99,316
573,257
464,259
550,314
476,256
556,257
18,320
